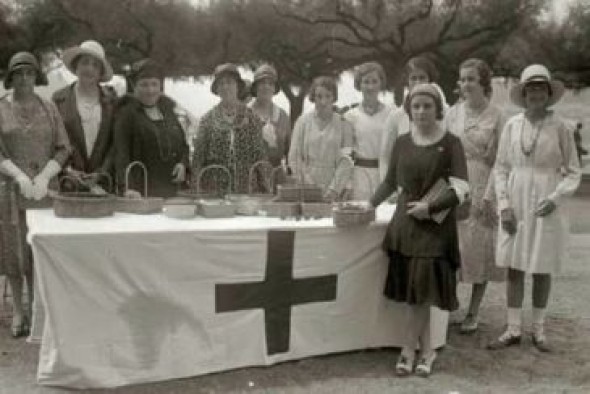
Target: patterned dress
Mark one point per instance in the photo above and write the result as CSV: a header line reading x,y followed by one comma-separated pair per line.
x,y
29,147
535,163
477,236
235,144
316,155
368,134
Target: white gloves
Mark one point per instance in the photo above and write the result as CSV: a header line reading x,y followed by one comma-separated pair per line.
x,y
42,179
25,184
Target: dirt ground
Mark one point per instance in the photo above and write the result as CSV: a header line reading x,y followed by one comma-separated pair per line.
x,y
463,366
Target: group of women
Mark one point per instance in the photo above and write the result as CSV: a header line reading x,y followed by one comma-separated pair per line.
x,y
478,197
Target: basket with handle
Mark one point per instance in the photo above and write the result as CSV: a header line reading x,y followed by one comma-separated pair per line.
x,y
250,204
83,204
348,214
144,205
208,205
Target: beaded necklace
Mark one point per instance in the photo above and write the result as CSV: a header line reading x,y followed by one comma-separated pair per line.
x,y
527,151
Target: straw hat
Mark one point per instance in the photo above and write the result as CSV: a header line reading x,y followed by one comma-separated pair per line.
x,y
265,71
20,60
536,73
93,49
227,69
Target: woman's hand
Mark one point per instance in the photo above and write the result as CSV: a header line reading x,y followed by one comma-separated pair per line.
x,y
508,220
418,209
25,185
179,173
40,183
130,193
545,207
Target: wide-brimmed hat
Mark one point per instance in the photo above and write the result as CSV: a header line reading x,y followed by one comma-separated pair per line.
x,y
91,48
20,60
227,69
265,71
536,73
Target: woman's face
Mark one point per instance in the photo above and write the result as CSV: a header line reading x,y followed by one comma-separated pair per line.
x,y
323,99
469,83
265,89
148,91
227,88
423,109
88,69
416,77
371,83
536,95
23,79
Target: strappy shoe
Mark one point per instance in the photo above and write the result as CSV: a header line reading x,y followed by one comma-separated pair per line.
x,y
424,366
505,340
404,365
20,329
540,342
469,325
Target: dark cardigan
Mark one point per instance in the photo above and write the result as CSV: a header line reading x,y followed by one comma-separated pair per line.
x,y
160,146
102,157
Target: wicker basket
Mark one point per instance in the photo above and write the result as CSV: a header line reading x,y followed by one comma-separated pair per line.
x,y
352,215
141,206
179,208
251,203
83,204
217,208
316,210
281,209
299,192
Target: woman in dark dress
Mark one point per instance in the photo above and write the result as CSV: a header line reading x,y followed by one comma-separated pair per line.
x,y
148,129
423,246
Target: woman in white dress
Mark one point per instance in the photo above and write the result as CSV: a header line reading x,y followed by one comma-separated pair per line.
x,y
478,124
368,121
536,166
322,143
418,70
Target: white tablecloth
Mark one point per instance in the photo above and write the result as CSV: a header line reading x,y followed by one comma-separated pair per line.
x,y
132,299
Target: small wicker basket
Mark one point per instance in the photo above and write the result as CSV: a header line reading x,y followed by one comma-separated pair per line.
x,y
352,215
83,204
316,210
140,206
217,209
251,203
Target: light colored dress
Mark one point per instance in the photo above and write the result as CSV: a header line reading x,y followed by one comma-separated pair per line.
x,y
551,170
479,136
397,123
368,134
316,155
279,124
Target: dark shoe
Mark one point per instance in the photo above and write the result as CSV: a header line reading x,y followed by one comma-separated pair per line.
x,y
505,340
540,342
20,328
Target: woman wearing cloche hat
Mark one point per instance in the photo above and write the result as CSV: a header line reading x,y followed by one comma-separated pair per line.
x,y
33,148
277,126
230,135
535,168
87,111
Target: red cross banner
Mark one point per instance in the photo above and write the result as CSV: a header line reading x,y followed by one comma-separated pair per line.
x,y
161,299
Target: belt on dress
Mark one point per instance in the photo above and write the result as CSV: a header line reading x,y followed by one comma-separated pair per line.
x,y
367,163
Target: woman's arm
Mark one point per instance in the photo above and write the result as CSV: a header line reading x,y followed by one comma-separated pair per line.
x,y
389,184
571,170
502,167
296,149
390,134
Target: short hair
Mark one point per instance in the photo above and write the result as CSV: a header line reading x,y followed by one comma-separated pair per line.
x,y
425,89
325,82
421,63
367,68
483,70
